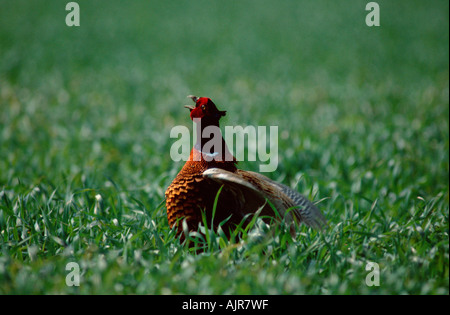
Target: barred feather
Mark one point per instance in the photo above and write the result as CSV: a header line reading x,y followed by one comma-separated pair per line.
x,y
260,188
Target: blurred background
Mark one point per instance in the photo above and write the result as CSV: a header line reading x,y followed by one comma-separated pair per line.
x,y
100,99
86,113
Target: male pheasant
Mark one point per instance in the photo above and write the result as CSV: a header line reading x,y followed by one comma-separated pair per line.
x,y
211,168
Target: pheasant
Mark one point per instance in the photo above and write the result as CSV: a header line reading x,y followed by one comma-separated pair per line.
x,y
211,171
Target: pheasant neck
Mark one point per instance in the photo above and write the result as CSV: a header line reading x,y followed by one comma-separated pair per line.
x,y
209,141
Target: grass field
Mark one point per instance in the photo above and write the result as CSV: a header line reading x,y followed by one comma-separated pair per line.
x,y
86,113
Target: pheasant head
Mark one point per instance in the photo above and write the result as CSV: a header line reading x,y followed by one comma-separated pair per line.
x,y
205,110
209,143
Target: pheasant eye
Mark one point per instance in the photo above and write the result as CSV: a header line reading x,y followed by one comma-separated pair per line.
x,y
203,107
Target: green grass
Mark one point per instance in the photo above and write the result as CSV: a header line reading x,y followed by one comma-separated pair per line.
x,y
85,117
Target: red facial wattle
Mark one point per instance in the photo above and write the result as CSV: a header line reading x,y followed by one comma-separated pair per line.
x,y
200,108
204,107
197,113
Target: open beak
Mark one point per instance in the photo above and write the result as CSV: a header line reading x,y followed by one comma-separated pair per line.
x,y
194,98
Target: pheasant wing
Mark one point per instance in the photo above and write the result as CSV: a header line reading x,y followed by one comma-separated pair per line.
x,y
247,197
254,189
304,210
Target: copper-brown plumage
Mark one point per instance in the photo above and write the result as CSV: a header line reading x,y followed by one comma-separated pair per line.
x,y
190,192
196,186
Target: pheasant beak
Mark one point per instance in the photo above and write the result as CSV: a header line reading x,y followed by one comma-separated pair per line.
x,y
193,97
